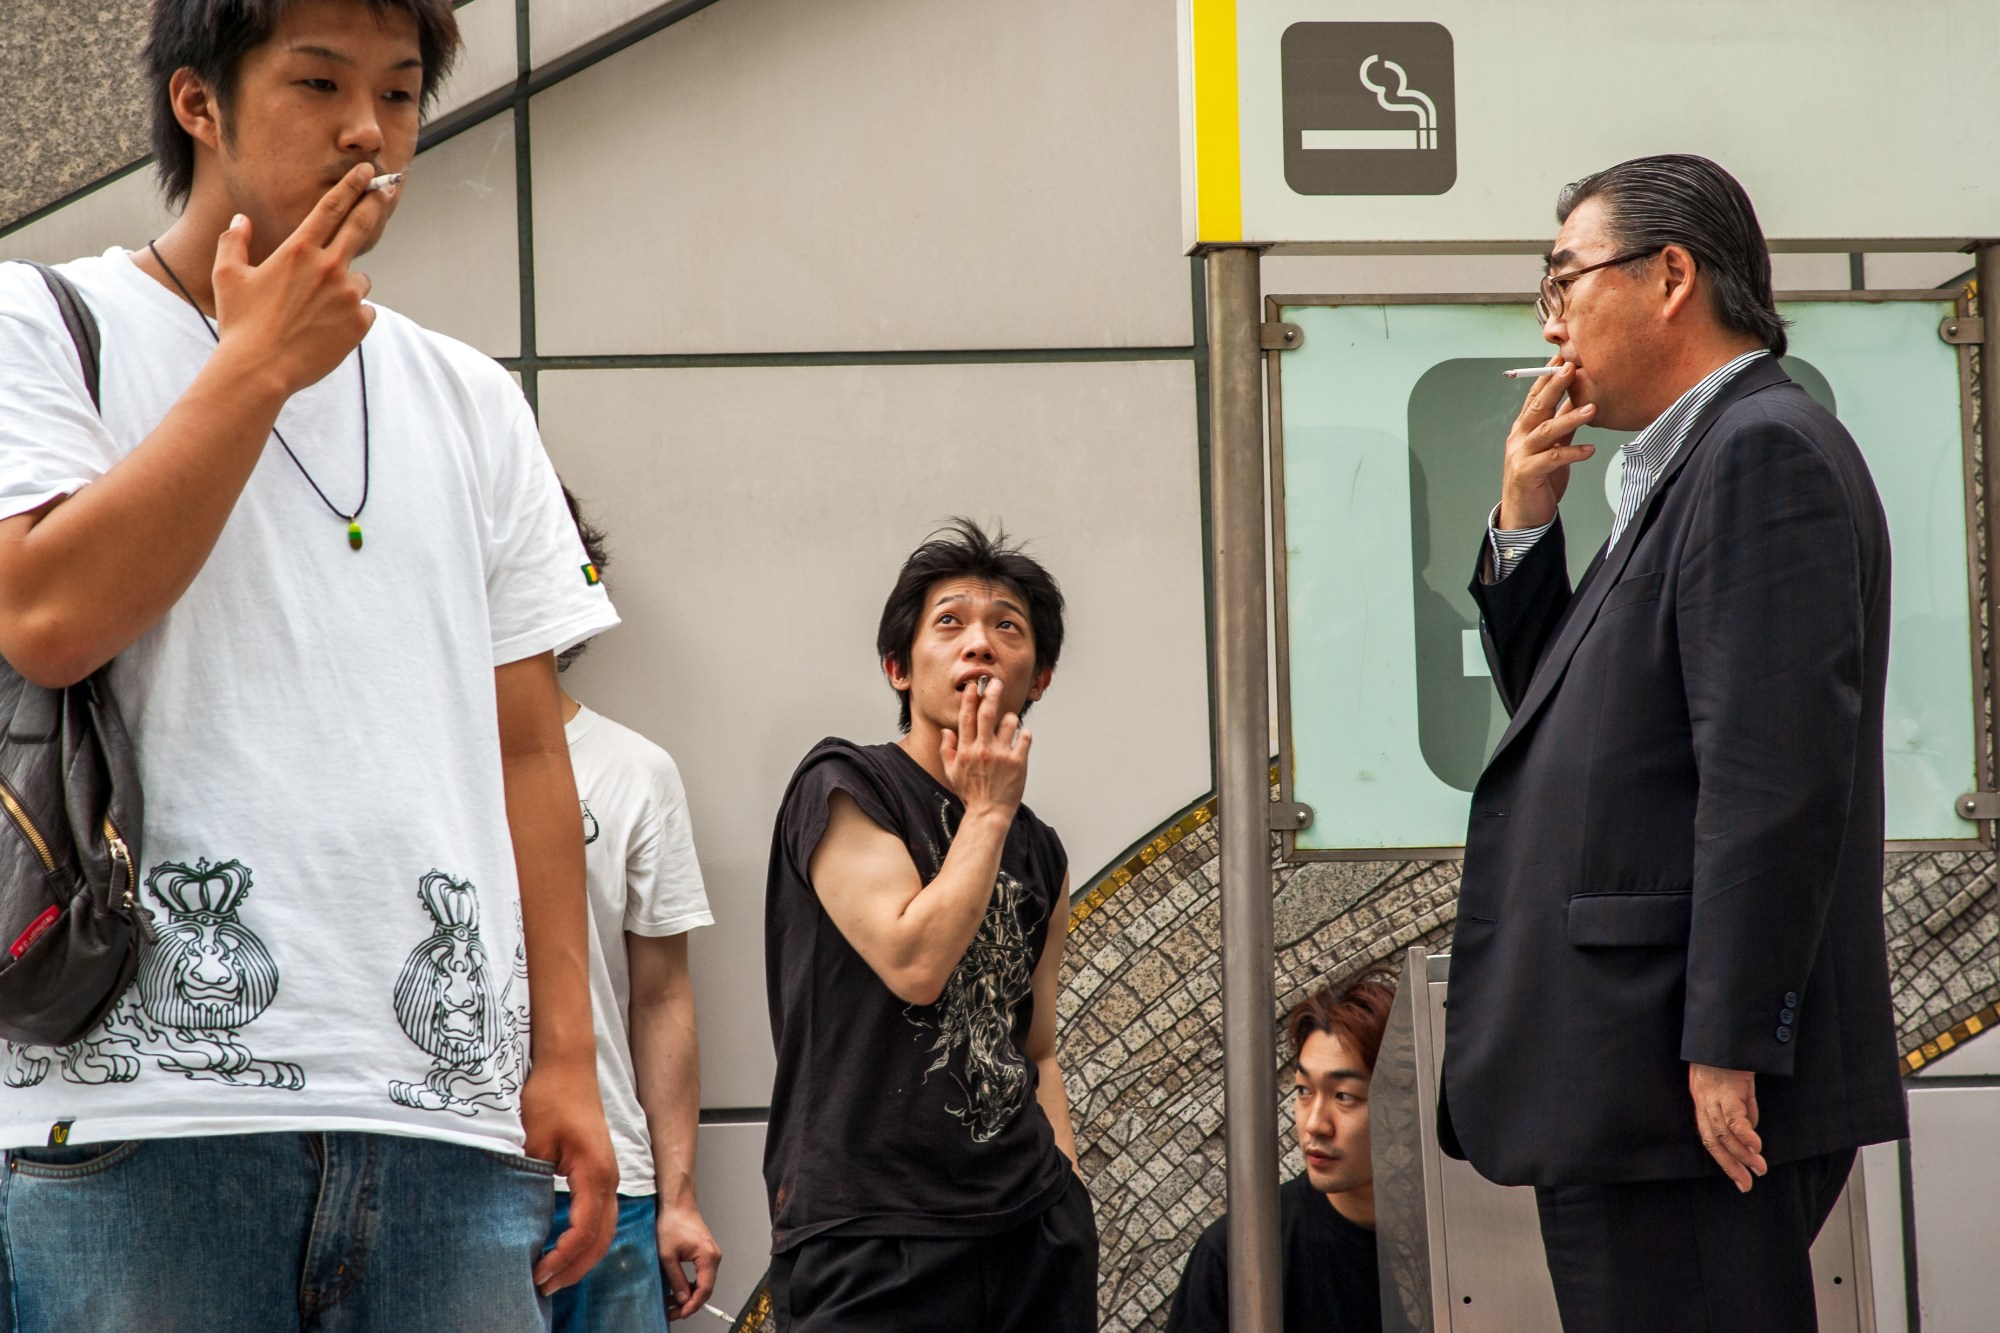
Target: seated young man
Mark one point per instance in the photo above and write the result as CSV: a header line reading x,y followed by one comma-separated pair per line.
x,y
646,894
920,1160
1326,1214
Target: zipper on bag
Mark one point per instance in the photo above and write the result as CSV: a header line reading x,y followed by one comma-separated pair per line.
x,y
121,861
19,814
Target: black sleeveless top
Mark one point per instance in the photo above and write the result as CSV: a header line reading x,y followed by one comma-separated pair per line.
x,y
894,1119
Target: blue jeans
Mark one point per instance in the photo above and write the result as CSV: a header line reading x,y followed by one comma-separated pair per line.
x,y
261,1233
625,1292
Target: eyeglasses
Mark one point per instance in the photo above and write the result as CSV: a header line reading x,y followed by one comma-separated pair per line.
x,y
1550,303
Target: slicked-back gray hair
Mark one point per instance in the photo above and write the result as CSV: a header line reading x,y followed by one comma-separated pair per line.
x,y
1680,199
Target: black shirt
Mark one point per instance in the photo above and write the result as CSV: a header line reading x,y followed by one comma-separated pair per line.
x,y
894,1119
1327,1267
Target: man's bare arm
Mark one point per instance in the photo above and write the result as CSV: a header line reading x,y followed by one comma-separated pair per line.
x,y
1041,1044
666,1067
560,1108
911,933
81,578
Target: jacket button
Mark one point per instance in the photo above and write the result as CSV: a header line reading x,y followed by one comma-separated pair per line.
x,y
1791,999
1784,1034
1786,1015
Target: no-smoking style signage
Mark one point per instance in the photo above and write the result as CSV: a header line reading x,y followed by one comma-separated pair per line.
x,y
1369,108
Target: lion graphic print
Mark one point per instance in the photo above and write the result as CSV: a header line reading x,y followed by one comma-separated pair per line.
x,y
202,981
450,1005
975,1014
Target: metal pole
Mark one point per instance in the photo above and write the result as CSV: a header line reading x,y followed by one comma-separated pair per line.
x,y
1243,790
1987,271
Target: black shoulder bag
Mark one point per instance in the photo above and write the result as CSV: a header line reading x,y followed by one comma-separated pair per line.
x,y
70,917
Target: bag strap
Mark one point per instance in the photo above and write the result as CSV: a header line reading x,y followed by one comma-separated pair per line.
x,y
82,325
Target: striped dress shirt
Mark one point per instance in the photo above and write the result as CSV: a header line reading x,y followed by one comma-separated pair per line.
x,y
1646,457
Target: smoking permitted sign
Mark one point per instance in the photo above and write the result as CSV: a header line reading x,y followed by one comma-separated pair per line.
x,y
1369,108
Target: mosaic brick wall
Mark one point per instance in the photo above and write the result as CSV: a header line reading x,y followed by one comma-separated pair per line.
x,y
1142,1031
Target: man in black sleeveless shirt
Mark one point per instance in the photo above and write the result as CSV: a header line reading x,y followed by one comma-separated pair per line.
x,y
1326,1214
920,1160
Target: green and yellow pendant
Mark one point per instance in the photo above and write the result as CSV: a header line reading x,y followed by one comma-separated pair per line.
x,y
354,534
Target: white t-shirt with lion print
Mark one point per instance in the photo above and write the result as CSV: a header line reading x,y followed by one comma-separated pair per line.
x,y
326,851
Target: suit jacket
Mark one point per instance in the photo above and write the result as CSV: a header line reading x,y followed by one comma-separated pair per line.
x,y
1675,851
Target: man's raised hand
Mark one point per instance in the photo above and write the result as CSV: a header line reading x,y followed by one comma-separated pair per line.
x,y
301,311
986,756
1539,452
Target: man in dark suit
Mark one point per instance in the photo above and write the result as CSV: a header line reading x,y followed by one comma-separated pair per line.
x,y
1670,996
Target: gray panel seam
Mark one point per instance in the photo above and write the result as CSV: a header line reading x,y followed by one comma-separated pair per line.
x,y
925,357
735,1115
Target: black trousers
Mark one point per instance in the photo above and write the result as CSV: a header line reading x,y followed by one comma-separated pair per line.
x,y
1691,1256
1040,1277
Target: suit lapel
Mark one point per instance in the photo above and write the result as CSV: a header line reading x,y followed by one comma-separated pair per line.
x,y
1610,567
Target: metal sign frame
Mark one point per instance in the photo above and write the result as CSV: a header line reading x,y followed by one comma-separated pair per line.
x,y
1978,543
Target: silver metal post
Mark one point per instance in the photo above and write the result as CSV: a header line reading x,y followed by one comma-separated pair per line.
x,y
1987,271
1242,773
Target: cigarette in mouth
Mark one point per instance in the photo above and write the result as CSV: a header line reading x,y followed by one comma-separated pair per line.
x,y
384,182
1533,372
980,688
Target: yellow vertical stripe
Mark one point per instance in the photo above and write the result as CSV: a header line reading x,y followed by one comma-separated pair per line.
x,y
1217,136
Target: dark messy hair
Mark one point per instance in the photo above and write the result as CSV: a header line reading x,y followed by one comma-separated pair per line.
x,y
1681,199
211,37
1353,1011
592,538
962,550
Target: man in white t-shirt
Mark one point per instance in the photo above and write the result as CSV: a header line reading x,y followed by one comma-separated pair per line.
x,y
645,895
329,566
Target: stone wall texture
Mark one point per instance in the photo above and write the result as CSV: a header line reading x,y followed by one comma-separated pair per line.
x,y
75,109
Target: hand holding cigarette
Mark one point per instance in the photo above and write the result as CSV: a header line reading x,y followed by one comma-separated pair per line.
x,y
1539,449
292,312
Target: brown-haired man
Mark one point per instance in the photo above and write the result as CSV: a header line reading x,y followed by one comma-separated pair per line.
x,y
1326,1212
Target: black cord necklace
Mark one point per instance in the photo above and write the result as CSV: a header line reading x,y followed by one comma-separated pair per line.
x,y
353,520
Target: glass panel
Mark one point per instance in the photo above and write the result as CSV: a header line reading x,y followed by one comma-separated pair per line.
x,y
1393,421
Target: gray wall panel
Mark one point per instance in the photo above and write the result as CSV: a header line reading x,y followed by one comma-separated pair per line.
x,y
729,1185
127,212
1955,1180
757,519
451,259
788,175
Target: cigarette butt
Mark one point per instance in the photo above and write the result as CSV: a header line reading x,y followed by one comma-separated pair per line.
x,y
1533,372
723,1315
383,182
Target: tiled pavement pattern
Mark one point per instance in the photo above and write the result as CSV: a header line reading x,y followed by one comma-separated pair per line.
x,y
1141,1015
